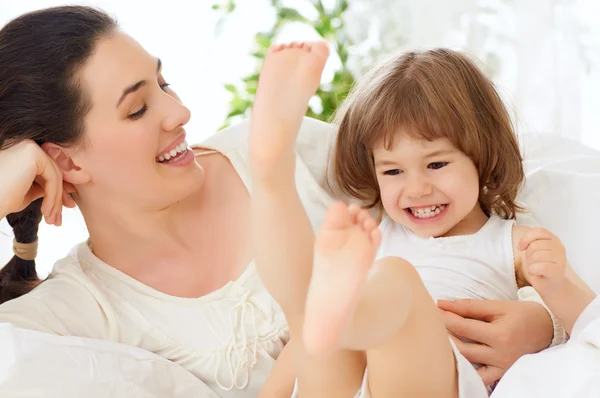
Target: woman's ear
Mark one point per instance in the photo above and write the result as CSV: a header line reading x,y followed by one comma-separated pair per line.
x,y
70,170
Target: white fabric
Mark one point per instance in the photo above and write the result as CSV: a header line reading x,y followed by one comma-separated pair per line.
x,y
229,338
562,190
362,393
42,365
568,371
531,49
563,184
478,266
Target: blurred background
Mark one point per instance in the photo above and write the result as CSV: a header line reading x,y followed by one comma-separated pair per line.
x,y
543,55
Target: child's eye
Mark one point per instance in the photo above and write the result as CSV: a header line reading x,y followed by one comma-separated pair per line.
x,y
164,86
392,172
138,114
437,165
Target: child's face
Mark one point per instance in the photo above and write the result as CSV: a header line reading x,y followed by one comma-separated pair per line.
x,y
430,187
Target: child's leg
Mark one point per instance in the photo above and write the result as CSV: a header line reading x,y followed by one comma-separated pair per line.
x,y
417,360
392,317
282,234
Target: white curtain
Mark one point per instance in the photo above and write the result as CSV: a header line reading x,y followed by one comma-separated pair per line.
x,y
540,53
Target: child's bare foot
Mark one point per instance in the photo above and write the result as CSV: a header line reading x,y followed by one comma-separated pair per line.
x,y
289,77
345,250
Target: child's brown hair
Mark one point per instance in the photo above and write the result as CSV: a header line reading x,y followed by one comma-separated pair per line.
x,y
433,94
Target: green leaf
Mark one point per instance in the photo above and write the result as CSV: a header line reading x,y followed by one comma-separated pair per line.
x,y
260,54
264,40
252,77
240,105
318,4
343,54
231,88
235,112
343,6
224,125
231,6
330,25
289,14
251,86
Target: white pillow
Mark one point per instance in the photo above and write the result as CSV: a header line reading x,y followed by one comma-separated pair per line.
x,y
561,191
36,364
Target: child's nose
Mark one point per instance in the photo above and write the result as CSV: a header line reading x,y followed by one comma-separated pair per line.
x,y
418,187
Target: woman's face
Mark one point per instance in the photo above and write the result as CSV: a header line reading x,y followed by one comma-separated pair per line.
x,y
134,145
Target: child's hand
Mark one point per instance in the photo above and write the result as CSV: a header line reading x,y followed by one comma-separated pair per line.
x,y
544,259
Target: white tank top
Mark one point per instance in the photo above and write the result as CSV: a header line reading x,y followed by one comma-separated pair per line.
x,y
478,266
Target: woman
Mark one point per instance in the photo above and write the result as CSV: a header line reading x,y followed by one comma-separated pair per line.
x,y
167,267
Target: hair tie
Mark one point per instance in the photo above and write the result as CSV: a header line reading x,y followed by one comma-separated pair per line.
x,y
25,251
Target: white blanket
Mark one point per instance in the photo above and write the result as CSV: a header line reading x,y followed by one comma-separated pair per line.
x,y
568,371
35,364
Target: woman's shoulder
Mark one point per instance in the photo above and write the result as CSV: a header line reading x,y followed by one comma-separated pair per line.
x,y
68,302
314,143
234,137
314,147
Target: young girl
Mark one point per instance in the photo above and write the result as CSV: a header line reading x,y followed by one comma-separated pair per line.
x,y
424,138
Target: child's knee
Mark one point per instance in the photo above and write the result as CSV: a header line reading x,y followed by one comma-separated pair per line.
x,y
402,275
395,267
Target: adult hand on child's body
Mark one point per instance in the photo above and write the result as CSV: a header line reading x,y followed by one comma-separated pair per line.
x,y
501,330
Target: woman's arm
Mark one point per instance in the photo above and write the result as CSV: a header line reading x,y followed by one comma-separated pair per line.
x,y
541,262
503,331
280,383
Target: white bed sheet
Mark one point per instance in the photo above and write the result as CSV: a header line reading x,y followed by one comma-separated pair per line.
x,y
568,371
35,364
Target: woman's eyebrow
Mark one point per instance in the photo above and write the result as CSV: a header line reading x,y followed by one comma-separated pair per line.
x,y
135,87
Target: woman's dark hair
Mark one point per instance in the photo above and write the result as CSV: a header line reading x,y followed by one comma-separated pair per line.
x,y
42,99
18,276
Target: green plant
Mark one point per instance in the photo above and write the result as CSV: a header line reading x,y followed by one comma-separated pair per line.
x,y
329,24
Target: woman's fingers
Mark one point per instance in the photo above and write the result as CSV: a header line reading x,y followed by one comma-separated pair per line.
x,y
58,194
67,200
50,178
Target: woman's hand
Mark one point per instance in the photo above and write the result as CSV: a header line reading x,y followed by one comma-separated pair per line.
x,y
28,174
501,331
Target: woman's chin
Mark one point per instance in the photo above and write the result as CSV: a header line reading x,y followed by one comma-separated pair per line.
x,y
183,186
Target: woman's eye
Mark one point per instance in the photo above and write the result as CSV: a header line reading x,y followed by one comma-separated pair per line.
x,y
138,114
164,86
392,172
437,165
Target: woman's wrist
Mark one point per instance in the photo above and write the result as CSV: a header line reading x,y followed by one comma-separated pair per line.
x,y
559,335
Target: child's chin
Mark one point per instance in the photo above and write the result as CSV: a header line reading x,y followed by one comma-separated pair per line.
x,y
428,231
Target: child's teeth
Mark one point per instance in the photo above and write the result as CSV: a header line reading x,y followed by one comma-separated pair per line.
x,y
427,212
161,158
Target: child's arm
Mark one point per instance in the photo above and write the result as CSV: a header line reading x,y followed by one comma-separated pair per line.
x,y
280,383
540,260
